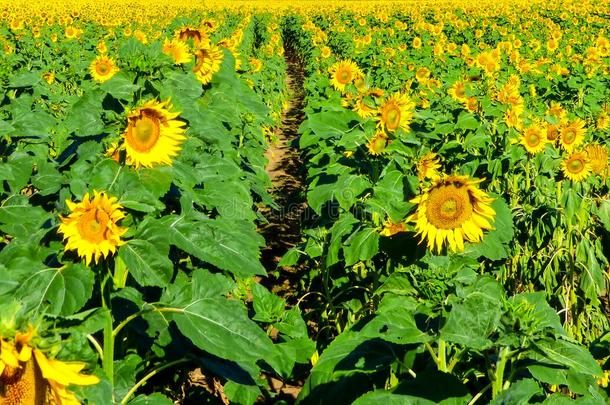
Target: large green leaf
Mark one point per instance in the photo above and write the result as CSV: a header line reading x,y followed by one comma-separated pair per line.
x,y
147,263
222,327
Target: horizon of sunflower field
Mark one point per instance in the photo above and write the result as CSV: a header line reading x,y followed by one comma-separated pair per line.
x,y
455,167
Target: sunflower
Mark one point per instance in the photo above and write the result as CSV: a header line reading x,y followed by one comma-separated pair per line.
x,y
363,109
325,52
396,112
343,73
598,158
28,376
572,134
452,210
91,227
102,68
186,33
534,139
427,167
458,91
576,167
552,132
153,135
377,144
255,65
178,50
208,59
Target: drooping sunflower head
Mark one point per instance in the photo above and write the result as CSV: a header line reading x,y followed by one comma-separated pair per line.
x,y
208,59
451,211
154,134
91,227
377,144
427,167
28,376
534,139
343,73
187,32
178,50
103,68
576,167
572,134
396,112
598,158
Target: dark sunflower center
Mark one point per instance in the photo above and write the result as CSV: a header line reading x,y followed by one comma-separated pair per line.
x,y
448,206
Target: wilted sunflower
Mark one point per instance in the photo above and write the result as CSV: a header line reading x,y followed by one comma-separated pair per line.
x,y
187,32
391,228
598,158
102,68
153,135
178,50
208,59
91,227
396,112
29,377
452,210
572,134
427,167
576,167
534,139
343,73
377,144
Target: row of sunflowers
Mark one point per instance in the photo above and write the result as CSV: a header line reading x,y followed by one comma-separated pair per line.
x,y
133,183
457,164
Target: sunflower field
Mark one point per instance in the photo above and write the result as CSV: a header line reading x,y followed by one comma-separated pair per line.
x,y
316,202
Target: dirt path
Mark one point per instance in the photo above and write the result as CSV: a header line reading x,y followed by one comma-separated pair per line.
x,y
286,172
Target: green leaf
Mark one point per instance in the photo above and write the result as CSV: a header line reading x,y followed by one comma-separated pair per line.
x,y
268,307
25,79
147,263
361,245
519,392
571,355
57,291
85,117
120,86
389,398
472,321
467,120
222,327
228,245
153,399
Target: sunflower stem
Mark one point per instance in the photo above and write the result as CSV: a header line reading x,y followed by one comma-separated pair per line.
x,y
148,376
108,359
498,383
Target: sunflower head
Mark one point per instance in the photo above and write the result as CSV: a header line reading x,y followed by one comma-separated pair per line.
x,y
598,158
28,376
427,167
572,134
377,144
344,73
458,91
533,138
91,227
576,167
102,68
208,59
452,210
154,134
187,33
178,50
396,112
391,228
